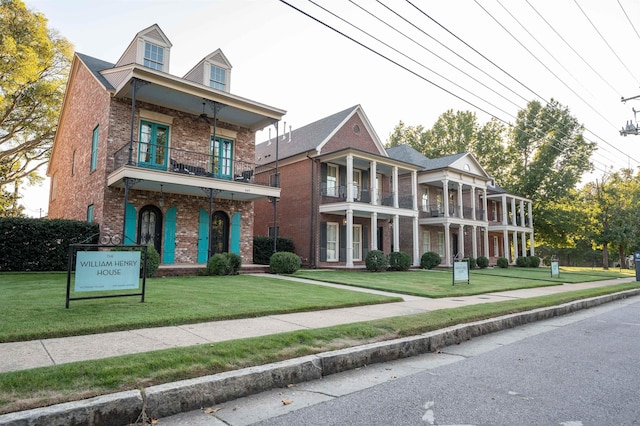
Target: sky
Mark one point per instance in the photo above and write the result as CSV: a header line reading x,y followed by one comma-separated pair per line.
x,y
400,63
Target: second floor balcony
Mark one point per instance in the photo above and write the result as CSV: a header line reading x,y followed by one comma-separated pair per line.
x,y
338,194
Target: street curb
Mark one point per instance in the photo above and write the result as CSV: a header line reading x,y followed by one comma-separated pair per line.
x,y
172,398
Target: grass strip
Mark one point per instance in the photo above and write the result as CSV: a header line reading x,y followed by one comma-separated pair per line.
x,y
49,385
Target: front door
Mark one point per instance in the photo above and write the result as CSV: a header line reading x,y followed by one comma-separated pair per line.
x,y
150,227
219,233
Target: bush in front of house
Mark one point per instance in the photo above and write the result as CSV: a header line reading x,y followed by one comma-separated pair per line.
x,y
522,262
152,262
376,261
263,248
399,261
472,262
503,262
219,264
235,263
534,261
430,260
482,262
284,262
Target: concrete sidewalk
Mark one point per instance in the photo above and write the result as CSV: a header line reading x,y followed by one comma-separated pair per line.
x,y
47,352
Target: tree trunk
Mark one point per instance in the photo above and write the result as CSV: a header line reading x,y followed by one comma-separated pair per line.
x,y
605,256
623,263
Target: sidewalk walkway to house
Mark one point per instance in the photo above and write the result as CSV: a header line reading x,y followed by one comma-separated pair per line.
x,y
41,353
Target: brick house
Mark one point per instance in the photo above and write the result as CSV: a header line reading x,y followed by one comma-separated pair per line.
x,y
340,194
462,212
160,159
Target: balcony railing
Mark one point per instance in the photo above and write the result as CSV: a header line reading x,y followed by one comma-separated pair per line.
x,y
180,161
338,194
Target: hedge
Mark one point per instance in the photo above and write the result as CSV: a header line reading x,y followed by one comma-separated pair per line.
x,y
263,248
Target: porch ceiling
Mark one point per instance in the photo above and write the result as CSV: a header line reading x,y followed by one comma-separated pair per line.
x,y
197,186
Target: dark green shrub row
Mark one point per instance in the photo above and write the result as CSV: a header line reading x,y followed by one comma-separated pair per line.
x,y
430,260
530,261
153,259
377,261
224,264
41,244
263,248
284,262
503,262
482,262
472,262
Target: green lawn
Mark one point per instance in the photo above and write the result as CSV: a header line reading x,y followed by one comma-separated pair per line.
x,y
438,282
32,305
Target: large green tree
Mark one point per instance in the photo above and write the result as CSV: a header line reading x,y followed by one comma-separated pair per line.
x,y
34,64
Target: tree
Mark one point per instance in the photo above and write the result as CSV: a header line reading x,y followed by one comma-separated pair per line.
x,y
34,64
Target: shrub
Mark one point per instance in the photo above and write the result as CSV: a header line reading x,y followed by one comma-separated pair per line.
x,y
522,261
219,264
153,261
235,262
284,262
399,261
534,261
263,248
472,262
430,260
503,262
482,262
376,261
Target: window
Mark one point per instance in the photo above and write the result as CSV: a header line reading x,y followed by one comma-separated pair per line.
x,y
222,158
273,231
439,201
332,242
441,244
153,56
218,78
425,199
357,242
379,185
496,247
90,212
494,210
94,149
154,141
332,180
356,184
426,241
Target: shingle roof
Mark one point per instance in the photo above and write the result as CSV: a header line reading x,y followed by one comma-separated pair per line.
x,y
410,155
303,139
95,66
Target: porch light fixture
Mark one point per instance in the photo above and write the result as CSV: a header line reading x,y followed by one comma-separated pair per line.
x,y
344,220
161,200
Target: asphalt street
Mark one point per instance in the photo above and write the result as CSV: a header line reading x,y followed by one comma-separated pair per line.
x,y
580,369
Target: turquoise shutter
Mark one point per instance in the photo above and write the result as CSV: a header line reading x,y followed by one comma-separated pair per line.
x,y
203,237
130,225
170,236
235,233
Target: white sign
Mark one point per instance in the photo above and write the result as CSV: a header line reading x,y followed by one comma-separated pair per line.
x,y
460,271
112,270
555,268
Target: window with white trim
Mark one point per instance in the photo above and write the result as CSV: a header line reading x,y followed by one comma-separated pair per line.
x,y
153,56
218,78
441,244
332,242
426,241
494,209
357,180
496,246
425,199
357,242
332,180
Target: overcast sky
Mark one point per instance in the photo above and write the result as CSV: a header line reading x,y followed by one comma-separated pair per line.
x,y
486,56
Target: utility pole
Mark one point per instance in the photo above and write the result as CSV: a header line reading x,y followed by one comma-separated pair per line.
x,y
630,128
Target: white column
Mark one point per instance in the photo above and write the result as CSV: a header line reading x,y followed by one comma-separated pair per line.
x,y
513,211
395,187
416,249
445,195
523,238
374,232
460,208
515,245
349,178
505,244
504,210
396,233
461,241
530,218
522,213
414,189
447,245
374,183
349,238
533,252
486,241
484,207
474,240
473,204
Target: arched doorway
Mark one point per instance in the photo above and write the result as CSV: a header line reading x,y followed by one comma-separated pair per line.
x,y
150,227
219,233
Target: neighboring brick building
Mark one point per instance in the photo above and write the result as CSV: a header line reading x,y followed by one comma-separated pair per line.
x,y
155,158
462,212
339,192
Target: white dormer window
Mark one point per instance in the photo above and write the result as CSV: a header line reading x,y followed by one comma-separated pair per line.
x,y
153,56
218,78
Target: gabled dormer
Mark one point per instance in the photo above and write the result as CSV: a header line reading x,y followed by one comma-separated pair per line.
x,y
149,48
213,71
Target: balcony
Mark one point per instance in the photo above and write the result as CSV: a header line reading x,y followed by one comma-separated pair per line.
x,y
189,172
338,194
437,210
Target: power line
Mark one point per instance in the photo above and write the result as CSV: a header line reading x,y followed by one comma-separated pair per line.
x,y
628,19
